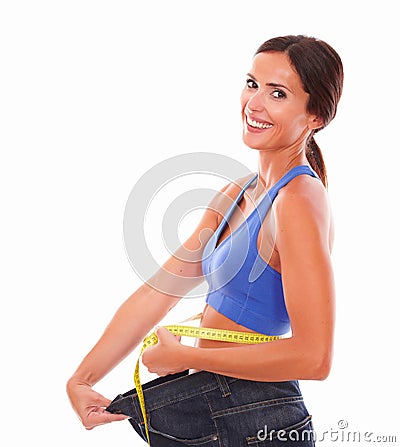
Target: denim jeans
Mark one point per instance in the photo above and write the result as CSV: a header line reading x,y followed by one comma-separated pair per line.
x,y
213,410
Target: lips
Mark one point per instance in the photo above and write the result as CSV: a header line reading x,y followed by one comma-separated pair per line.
x,y
257,124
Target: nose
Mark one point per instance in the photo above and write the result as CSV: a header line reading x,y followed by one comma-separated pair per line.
x,y
255,103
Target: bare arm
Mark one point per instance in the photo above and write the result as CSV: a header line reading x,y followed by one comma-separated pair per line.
x,y
126,330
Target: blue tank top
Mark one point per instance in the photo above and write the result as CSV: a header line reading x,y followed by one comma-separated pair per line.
x,y
242,286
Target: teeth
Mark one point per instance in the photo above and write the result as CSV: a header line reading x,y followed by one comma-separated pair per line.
x,y
254,123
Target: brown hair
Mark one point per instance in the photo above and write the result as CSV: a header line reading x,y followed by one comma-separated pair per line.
x,y
321,72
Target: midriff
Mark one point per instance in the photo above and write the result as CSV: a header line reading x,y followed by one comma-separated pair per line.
x,y
213,319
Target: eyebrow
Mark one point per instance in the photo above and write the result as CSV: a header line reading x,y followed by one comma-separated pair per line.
x,y
271,84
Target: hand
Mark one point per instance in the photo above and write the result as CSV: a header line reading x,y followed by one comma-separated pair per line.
x,y
166,357
89,405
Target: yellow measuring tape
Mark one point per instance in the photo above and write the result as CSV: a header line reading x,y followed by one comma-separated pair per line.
x,y
197,332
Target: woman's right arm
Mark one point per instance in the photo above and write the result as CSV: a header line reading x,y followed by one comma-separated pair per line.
x,y
137,316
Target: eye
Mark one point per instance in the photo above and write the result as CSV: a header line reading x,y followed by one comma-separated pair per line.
x,y
251,83
278,94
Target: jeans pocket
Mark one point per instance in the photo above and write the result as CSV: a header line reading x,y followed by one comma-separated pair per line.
x,y
173,434
300,434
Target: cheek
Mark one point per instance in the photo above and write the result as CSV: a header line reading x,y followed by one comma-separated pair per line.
x,y
299,121
290,117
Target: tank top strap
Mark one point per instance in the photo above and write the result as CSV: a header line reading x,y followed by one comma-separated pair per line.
x,y
215,236
271,194
290,175
233,207
259,264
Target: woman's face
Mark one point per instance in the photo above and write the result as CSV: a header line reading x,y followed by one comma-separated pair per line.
x,y
274,104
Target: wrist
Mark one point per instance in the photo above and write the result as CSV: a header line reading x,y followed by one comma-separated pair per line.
x,y
76,379
190,357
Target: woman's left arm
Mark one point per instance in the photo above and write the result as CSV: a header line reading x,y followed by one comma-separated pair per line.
x,y
303,226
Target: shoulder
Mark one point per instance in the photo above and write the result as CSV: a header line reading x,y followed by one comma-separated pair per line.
x,y
229,192
303,194
235,186
302,208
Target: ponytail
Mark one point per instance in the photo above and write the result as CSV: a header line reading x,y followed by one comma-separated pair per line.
x,y
316,160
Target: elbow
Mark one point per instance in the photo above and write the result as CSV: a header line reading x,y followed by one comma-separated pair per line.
x,y
321,370
314,362
314,359
320,367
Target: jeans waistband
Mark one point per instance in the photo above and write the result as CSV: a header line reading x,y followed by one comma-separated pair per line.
x,y
158,395
200,382
173,388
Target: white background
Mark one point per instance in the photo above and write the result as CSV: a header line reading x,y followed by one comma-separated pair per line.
x,y
95,93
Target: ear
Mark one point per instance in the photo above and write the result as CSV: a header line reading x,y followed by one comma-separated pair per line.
x,y
315,122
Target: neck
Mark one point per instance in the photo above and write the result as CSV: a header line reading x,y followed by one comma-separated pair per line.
x,y
272,165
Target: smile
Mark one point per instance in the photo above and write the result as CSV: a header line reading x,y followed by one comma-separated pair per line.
x,y
258,125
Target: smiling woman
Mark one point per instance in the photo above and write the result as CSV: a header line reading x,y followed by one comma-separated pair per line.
x,y
274,105
274,277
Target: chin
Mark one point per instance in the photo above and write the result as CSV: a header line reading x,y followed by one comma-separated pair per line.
x,y
256,145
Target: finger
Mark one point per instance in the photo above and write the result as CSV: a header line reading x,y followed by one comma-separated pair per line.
x,y
100,416
163,334
101,401
159,330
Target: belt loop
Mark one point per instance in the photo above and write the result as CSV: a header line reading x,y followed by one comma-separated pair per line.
x,y
223,385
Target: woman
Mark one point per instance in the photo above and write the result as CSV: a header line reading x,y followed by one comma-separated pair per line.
x,y
216,393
